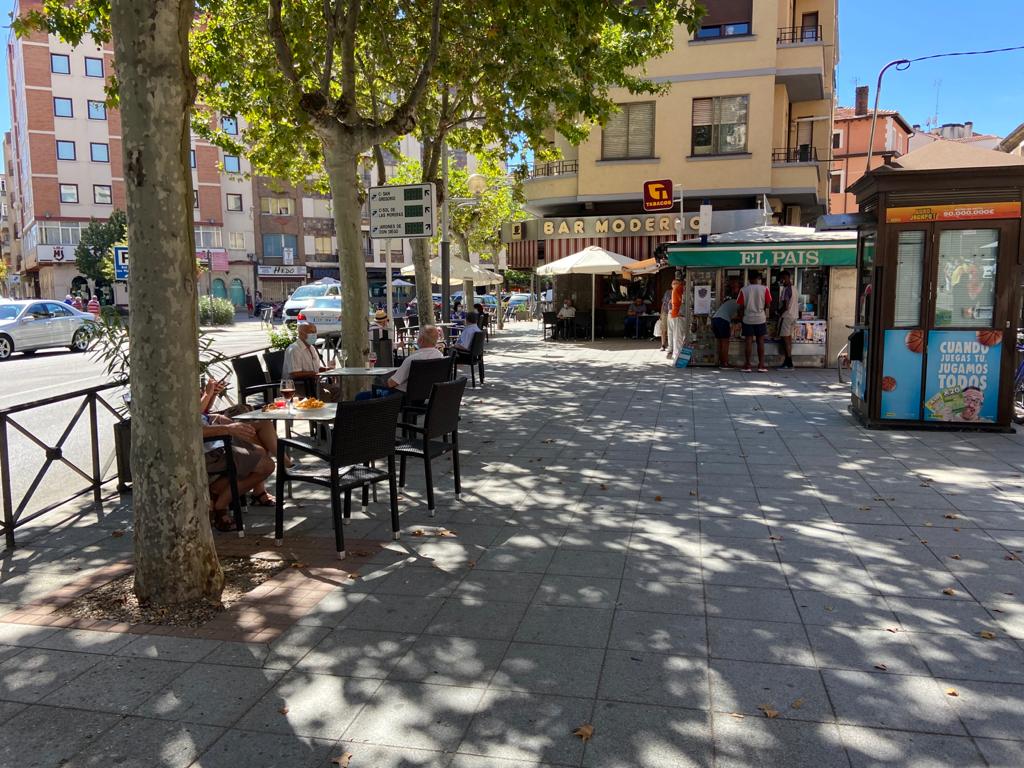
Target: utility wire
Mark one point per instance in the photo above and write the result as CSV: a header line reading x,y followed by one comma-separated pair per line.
x,y
967,53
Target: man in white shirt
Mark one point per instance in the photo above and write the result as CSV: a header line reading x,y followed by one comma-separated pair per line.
x,y
301,359
426,342
755,299
470,330
566,319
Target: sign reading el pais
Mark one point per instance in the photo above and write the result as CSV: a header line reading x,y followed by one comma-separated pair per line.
x,y
765,256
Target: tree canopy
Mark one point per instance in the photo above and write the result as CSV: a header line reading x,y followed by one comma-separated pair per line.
x,y
94,254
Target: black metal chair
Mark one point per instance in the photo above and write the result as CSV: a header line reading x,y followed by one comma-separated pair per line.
x,y
474,358
438,435
363,432
251,379
550,322
232,473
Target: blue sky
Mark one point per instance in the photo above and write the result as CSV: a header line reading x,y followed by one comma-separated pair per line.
x,y
873,32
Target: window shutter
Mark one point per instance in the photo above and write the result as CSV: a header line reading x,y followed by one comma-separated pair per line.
x,y
641,129
727,12
732,110
909,266
703,111
615,136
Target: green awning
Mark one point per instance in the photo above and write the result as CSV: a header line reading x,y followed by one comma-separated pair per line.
x,y
764,255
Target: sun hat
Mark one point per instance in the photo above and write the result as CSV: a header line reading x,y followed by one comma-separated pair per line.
x,y
381,315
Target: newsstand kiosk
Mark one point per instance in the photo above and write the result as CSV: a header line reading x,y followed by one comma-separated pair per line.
x,y
939,257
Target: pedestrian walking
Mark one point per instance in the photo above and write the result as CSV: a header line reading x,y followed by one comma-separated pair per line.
x,y
94,306
677,334
789,311
666,309
755,299
248,302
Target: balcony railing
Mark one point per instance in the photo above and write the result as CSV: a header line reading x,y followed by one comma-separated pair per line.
x,y
553,168
802,154
793,35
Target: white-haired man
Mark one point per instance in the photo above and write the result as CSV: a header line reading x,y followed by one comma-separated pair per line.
x,y
426,343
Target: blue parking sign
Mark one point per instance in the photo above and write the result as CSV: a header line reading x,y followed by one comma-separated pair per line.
x,y
120,262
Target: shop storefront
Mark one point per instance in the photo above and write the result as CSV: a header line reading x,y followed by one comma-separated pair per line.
x,y
822,266
278,281
938,291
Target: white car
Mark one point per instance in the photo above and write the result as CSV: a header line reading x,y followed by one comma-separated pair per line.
x,y
303,296
323,312
32,324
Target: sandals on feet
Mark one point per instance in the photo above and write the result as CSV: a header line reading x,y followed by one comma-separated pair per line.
x,y
221,520
264,500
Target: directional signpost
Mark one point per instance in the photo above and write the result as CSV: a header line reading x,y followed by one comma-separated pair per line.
x,y
403,211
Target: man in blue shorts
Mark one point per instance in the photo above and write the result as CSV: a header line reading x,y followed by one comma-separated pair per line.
x,y
721,326
755,299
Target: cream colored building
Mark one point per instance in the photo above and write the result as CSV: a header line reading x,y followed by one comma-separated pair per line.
x,y
747,114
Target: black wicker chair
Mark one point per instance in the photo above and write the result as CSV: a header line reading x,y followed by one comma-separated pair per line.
x,y
274,361
423,375
363,432
438,435
474,358
232,473
251,379
550,320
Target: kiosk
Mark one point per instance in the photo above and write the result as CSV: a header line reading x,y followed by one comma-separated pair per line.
x,y
822,265
938,299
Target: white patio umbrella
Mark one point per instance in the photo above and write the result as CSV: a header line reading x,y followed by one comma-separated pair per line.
x,y
459,270
483,276
592,260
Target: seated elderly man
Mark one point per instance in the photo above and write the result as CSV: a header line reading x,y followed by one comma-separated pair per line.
x,y
426,342
470,330
302,360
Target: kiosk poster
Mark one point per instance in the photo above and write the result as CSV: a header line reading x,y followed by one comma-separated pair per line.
x,y
963,375
901,374
859,373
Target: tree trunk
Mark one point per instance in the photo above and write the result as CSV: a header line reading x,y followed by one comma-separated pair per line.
x,y
174,552
341,157
467,285
424,292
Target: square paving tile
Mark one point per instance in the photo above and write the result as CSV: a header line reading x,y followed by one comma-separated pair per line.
x,y
891,701
871,748
42,737
293,645
264,750
678,634
210,694
796,693
471,617
865,649
653,737
500,586
394,613
565,625
307,704
574,562
168,648
770,641
464,661
139,742
415,715
940,615
971,657
117,684
522,727
518,559
654,678
31,674
661,597
1002,753
829,609
758,741
85,641
751,603
356,653
549,669
990,710
581,591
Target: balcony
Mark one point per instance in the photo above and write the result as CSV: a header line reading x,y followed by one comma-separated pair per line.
x,y
800,63
801,154
555,179
796,35
553,168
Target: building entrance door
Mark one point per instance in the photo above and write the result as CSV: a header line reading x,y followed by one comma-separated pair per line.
x,y
237,293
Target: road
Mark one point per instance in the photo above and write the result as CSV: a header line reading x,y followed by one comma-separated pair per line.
x,y
54,372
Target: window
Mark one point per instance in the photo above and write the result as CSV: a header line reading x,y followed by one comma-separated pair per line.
x,y
99,153
93,67
909,271
58,310
229,125
723,30
720,125
208,237
276,206
69,193
837,139
274,245
726,18
101,194
836,182
60,63
236,241
234,202
62,107
629,133
64,233
191,158
195,198
97,110
231,164
65,150
322,246
967,278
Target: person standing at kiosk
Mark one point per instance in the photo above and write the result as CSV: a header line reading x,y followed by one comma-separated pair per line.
x,y
755,299
789,311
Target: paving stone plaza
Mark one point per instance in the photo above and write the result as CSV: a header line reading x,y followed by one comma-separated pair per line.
x,y
709,568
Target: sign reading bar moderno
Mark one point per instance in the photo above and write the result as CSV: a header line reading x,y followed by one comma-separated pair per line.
x,y
753,255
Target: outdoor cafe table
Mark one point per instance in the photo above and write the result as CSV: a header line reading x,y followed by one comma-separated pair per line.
x,y
288,415
353,378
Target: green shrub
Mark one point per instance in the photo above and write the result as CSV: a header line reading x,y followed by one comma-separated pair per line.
x,y
214,311
281,337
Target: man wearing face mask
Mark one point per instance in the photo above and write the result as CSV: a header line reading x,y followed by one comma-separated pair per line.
x,y
301,359
566,319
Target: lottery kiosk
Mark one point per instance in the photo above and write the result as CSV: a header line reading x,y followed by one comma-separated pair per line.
x,y
938,301
821,265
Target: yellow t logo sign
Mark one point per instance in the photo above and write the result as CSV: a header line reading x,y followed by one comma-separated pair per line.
x,y
657,191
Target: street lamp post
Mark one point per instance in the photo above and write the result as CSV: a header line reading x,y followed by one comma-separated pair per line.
x,y
446,258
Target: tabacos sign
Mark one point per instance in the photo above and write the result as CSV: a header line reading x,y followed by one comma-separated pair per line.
x,y
802,258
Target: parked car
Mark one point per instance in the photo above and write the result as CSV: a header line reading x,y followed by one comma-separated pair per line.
x,y
303,295
325,313
437,302
490,303
32,324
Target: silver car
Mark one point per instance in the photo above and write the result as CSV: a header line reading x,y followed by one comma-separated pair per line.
x,y
28,325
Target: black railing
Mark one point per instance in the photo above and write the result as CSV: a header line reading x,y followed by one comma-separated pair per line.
x,y
55,451
553,168
803,34
801,154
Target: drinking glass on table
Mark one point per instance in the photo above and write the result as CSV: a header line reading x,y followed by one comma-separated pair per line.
x,y
343,356
371,361
287,390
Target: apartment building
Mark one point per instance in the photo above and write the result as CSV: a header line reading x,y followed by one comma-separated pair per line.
x,y
962,133
10,232
851,136
747,115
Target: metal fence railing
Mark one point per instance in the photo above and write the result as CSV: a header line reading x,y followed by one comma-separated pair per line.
x,y
802,154
803,34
